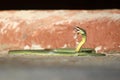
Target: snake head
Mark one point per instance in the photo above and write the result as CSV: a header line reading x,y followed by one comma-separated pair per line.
x,y
80,30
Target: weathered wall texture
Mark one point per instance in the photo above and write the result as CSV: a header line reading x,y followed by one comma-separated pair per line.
x,y
54,29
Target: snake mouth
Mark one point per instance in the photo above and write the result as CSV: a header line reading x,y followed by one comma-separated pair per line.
x,y
79,30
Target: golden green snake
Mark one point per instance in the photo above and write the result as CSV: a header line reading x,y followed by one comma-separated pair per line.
x,y
84,37
78,51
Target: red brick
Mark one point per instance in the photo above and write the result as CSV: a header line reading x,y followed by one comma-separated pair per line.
x,y
55,29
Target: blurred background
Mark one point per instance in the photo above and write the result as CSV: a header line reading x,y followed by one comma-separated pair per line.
x,y
59,4
70,68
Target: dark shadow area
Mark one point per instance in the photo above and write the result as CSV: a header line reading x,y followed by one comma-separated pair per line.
x,y
59,4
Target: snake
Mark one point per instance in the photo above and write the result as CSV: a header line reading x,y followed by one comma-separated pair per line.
x,y
78,51
84,38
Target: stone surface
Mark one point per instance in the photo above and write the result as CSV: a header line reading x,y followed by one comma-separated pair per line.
x,y
17,67
36,29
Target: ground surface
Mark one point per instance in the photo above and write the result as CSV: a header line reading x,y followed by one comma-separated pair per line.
x,y
34,67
